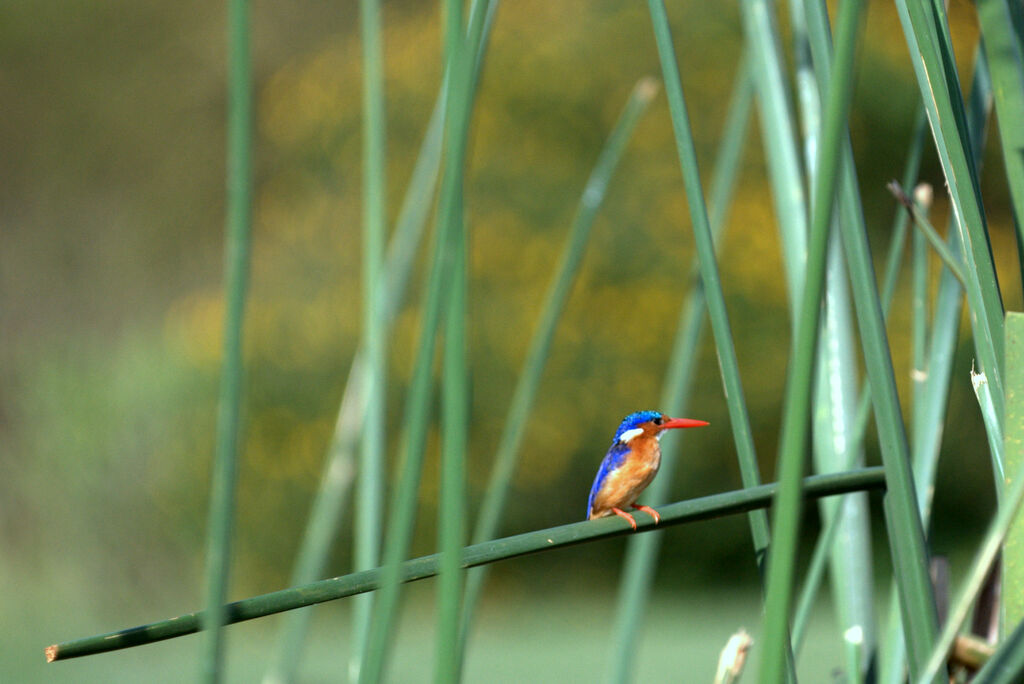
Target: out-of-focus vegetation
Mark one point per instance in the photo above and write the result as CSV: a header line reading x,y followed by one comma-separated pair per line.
x,y
111,202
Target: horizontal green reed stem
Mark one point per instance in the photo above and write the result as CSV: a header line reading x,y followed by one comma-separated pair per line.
x,y
539,541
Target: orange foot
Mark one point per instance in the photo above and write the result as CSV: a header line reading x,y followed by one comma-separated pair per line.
x,y
623,514
649,511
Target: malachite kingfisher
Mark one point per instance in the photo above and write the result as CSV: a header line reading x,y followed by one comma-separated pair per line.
x,y
631,464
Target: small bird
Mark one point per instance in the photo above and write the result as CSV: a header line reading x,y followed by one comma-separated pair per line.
x,y
631,464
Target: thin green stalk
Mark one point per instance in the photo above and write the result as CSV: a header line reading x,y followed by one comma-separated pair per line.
x,y
461,93
229,405
454,418
505,458
1005,56
786,520
538,541
370,509
738,416
929,233
736,401
642,552
926,32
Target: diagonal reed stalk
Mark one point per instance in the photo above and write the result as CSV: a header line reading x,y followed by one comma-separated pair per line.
x,y
505,458
739,418
370,509
229,405
927,232
642,552
460,95
786,521
538,541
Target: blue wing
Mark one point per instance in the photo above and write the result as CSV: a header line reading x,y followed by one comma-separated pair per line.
x,y
612,461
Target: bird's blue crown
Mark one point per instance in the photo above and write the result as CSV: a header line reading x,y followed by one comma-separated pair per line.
x,y
635,420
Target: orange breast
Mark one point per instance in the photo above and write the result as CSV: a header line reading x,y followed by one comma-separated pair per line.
x,y
623,486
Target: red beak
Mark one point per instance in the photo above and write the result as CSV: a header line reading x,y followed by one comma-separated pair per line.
x,y
682,423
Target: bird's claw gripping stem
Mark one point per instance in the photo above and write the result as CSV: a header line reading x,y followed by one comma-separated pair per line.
x,y
649,511
623,514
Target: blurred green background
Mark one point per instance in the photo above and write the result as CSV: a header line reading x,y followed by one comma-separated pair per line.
x,y
111,213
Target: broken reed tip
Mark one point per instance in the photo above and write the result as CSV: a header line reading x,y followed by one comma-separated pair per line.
x,y
51,653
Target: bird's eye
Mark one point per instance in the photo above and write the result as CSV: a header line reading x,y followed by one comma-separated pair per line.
x,y
659,420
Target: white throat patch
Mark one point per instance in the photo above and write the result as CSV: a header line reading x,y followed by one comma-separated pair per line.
x,y
630,434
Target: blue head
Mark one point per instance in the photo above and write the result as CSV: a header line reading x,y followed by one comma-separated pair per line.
x,y
634,420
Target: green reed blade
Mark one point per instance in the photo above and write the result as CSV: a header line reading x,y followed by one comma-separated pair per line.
x,y
229,405
642,552
538,541
505,458
926,32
